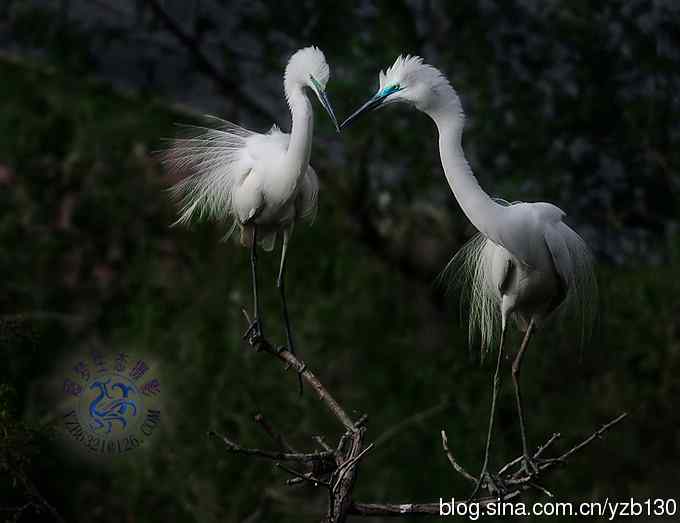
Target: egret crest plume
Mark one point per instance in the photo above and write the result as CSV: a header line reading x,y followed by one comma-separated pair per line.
x,y
307,62
407,70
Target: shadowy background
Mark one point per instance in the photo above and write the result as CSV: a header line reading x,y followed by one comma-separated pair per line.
x,y
567,102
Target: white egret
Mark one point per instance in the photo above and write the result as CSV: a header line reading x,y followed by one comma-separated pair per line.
x,y
263,183
524,264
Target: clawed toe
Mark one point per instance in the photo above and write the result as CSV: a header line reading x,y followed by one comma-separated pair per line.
x,y
477,488
300,370
254,332
493,484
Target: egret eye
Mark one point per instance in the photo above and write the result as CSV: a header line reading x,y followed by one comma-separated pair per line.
x,y
317,85
390,89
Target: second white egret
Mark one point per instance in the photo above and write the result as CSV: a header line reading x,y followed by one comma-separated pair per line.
x,y
524,264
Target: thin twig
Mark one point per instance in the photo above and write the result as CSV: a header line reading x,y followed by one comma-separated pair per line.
x,y
298,457
39,500
537,454
289,358
522,480
550,441
303,477
341,446
276,436
322,443
454,463
597,434
541,489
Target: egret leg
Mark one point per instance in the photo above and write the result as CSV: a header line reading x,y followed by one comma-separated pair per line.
x,y
484,475
281,284
254,332
529,464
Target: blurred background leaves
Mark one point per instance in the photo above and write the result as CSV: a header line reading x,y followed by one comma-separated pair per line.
x,y
568,102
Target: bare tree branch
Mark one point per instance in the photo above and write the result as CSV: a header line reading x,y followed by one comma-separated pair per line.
x,y
276,436
454,463
277,456
36,500
538,453
304,477
520,482
322,443
413,509
301,368
337,469
595,435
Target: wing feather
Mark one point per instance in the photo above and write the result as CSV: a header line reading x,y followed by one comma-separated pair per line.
x,y
213,160
574,264
308,197
217,160
520,229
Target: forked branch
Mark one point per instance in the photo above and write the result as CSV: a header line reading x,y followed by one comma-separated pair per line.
x,y
336,468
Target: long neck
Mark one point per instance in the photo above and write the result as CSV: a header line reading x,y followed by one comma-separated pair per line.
x,y
302,129
480,209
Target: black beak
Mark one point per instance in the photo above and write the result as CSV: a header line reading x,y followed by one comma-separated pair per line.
x,y
372,104
329,108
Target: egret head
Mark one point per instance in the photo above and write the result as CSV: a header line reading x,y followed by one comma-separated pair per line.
x,y
308,68
410,81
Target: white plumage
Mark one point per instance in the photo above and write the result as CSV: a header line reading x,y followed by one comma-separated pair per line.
x,y
260,183
553,275
253,178
236,175
525,263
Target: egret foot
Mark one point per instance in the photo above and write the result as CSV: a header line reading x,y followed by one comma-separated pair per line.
x,y
291,348
285,348
478,486
299,371
495,485
254,332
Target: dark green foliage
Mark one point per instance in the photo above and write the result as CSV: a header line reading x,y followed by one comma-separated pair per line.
x,y
87,257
